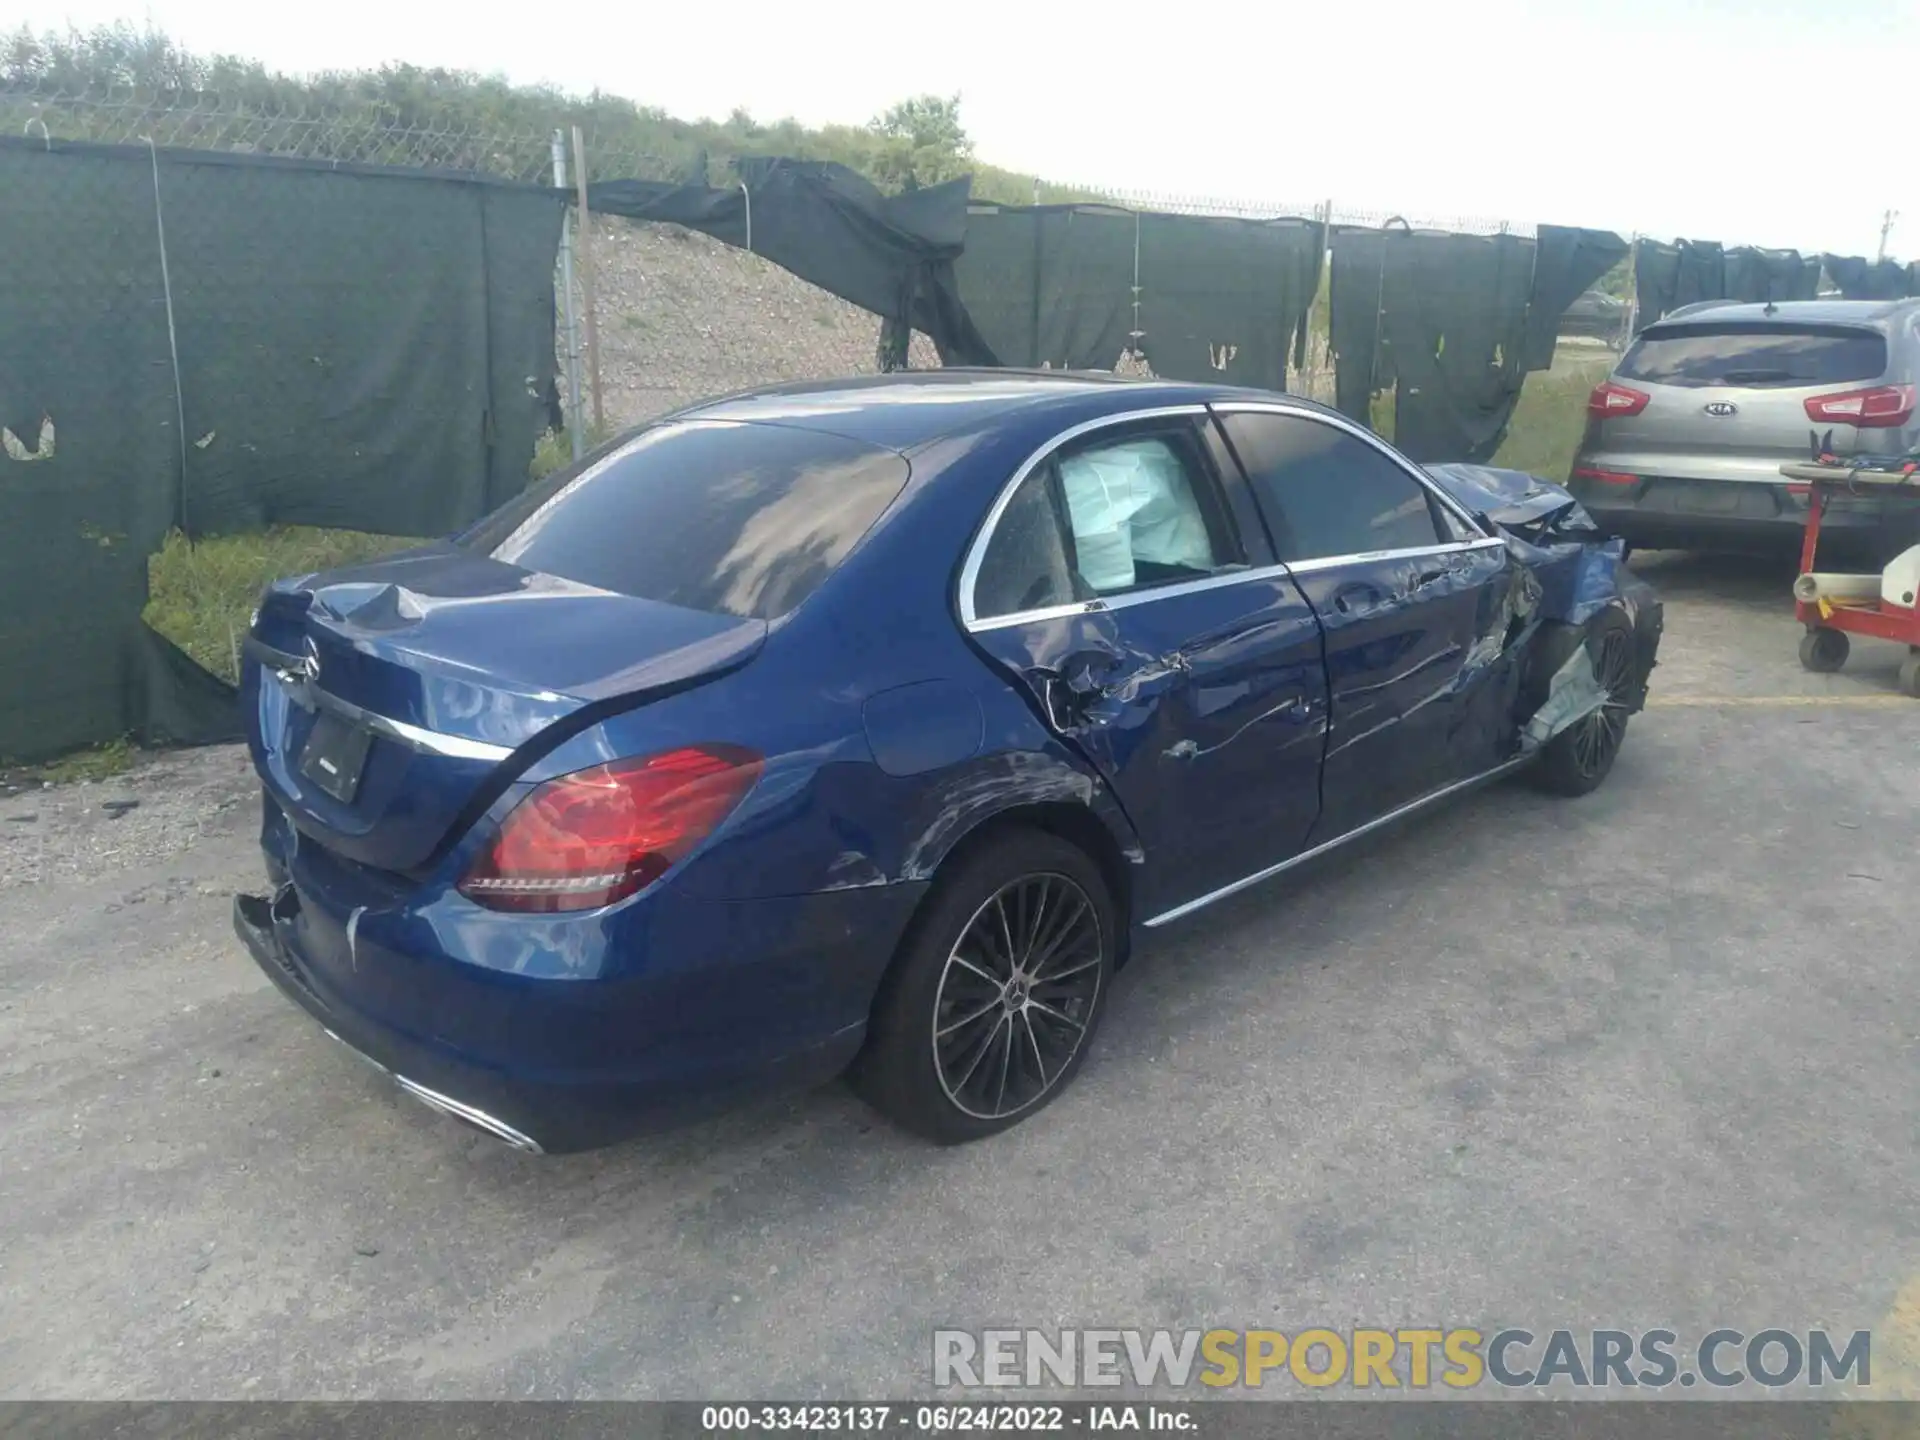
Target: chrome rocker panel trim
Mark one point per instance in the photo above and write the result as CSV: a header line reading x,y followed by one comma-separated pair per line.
x,y
1379,822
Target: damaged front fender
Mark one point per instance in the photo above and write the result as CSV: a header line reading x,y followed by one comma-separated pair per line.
x,y
1581,573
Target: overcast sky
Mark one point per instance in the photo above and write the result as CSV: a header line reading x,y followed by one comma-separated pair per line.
x,y
1721,120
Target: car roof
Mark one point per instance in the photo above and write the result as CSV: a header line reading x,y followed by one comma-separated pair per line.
x,y
913,408
1789,312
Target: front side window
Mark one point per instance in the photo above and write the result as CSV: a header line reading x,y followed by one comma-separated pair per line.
x,y
1325,493
1105,518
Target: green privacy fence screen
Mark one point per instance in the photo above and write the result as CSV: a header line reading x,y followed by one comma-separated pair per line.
x,y
220,342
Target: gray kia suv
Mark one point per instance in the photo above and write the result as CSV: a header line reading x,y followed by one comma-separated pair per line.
x,y
1685,439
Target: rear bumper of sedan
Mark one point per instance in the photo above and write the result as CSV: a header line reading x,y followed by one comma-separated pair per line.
x,y
553,1065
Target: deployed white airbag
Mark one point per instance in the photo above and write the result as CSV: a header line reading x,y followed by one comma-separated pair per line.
x,y
1130,503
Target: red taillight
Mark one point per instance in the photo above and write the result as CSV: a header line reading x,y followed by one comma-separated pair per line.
x,y
598,835
1604,477
1884,407
1610,401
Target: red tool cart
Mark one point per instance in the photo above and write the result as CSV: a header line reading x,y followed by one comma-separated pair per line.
x,y
1833,607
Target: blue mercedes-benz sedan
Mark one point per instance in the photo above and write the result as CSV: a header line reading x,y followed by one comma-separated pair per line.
x,y
860,726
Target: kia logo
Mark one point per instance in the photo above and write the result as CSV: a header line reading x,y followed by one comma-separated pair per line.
x,y
1721,408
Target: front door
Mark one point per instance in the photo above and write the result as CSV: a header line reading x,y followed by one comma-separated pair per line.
x,y
1414,601
1115,589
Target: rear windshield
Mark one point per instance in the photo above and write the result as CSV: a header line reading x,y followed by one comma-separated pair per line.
x,y
1755,355
711,515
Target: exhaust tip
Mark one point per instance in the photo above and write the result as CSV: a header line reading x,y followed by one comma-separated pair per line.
x,y
471,1115
486,1124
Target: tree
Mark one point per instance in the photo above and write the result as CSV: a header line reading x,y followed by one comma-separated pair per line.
x,y
919,142
927,122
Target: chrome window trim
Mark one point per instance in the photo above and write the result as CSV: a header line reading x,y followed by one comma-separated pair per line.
x,y
1450,547
1099,606
1247,881
1361,433
970,571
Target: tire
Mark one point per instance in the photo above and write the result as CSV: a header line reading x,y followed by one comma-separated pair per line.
x,y
1910,674
1824,651
1578,760
952,1007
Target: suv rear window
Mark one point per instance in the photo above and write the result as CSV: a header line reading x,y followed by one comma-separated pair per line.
x,y
710,515
1755,355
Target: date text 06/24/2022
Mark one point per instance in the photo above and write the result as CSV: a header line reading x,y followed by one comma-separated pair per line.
x,y
943,1418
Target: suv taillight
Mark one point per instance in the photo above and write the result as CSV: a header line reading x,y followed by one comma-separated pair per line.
x,y
599,835
1610,401
1884,407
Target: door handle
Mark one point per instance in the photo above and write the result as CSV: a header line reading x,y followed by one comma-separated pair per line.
x,y
1072,687
1356,599
1443,570
1080,675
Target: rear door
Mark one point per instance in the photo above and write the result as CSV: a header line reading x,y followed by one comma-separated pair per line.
x,y
1414,601
1156,636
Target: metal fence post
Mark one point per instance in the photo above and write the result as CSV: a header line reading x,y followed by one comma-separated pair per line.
x,y
586,281
575,421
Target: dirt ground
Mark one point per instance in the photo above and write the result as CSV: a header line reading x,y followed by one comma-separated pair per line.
x,y
1644,1058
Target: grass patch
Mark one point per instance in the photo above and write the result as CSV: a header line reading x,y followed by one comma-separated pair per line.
x,y
201,593
1551,415
551,452
554,450
96,762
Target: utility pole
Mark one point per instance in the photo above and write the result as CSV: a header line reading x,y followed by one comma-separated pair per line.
x,y
1886,229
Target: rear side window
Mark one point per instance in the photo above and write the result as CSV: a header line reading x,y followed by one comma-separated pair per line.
x,y
1755,355
710,515
1106,518
1325,494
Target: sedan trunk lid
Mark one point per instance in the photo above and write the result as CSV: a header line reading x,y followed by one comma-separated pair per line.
x,y
383,698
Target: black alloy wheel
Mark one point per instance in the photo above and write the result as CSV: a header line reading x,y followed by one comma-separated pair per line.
x,y
1019,988
1597,738
994,996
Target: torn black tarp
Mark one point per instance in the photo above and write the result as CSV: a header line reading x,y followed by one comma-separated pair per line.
x,y
890,254
1453,323
1861,279
1567,261
1666,277
1443,319
1754,275
1051,285
1199,297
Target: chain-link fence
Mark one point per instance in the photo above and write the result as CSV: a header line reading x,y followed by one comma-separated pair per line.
x,y
675,315
360,132
1328,211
